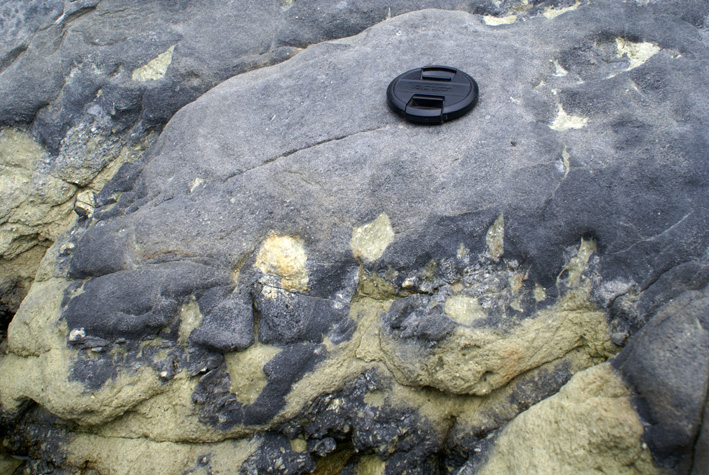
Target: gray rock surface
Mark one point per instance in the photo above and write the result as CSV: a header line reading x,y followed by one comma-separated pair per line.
x,y
91,81
668,366
293,267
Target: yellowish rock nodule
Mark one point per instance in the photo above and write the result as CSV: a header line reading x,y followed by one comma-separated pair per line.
x,y
497,21
371,240
637,53
565,121
285,257
154,69
589,424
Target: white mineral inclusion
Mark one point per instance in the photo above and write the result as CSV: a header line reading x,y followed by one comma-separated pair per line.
x,y
637,53
77,334
565,121
490,20
371,240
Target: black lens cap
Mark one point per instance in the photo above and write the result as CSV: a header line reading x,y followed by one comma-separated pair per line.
x,y
432,95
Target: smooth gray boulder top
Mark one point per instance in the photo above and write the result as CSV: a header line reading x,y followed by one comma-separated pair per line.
x,y
68,63
583,129
283,198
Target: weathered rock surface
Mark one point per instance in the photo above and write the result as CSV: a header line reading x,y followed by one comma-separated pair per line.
x,y
668,366
294,279
591,415
90,81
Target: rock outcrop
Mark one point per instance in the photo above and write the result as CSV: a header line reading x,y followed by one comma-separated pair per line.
x,y
292,279
86,84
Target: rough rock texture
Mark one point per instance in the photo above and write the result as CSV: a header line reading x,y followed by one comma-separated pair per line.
x,y
668,366
292,279
591,415
90,81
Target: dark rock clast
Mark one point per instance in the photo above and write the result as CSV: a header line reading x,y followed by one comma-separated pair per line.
x,y
220,408
667,364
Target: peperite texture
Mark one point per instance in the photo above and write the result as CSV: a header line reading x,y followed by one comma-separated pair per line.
x,y
86,84
292,279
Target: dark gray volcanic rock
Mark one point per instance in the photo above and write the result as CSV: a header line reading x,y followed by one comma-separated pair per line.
x,y
91,81
71,55
291,261
668,365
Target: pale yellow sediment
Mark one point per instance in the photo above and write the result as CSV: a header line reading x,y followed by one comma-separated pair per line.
x,y
123,456
463,309
495,238
246,371
190,318
589,424
371,240
155,68
551,12
497,21
284,257
371,465
564,121
636,52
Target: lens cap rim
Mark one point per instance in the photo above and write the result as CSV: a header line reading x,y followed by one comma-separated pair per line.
x,y
433,83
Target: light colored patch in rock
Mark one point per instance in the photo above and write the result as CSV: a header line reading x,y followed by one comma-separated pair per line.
x,y
371,465
480,360
20,272
491,20
18,150
30,202
551,12
590,425
154,69
636,53
284,257
495,238
539,293
190,318
559,69
287,4
85,203
177,413
463,252
371,240
111,456
39,364
8,464
197,181
565,161
464,309
246,371
334,462
565,121
299,444
578,263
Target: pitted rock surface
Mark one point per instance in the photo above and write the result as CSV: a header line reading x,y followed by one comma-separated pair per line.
x,y
294,270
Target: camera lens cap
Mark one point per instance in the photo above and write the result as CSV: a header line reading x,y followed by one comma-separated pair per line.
x,y
433,94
